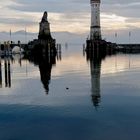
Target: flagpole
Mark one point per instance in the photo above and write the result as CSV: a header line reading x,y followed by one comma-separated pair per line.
x,y
116,35
8,43
130,46
10,35
129,37
25,35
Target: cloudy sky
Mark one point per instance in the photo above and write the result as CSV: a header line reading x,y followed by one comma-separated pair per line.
x,y
70,15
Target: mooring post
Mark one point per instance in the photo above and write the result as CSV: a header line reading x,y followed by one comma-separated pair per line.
x,y
0,74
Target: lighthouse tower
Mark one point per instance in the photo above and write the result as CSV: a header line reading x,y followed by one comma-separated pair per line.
x,y
95,30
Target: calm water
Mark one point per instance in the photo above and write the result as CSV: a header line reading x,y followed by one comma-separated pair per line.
x,y
70,99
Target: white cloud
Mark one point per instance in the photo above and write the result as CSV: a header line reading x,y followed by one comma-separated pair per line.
x,y
68,15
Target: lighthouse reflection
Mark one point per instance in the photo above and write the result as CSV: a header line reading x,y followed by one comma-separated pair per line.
x,y
95,70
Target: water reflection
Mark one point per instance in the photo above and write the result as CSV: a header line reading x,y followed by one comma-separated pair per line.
x,y
0,74
45,67
59,52
7,66
18,57
95,70
5,69
45,64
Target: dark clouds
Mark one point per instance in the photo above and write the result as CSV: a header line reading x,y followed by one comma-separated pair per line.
x,y
127,8
60,6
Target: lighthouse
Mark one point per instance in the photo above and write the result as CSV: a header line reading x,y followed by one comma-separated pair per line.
x,y
95,30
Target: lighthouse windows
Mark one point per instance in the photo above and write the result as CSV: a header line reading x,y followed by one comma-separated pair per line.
x,y
95,5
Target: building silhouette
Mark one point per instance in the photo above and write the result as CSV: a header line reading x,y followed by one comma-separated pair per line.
x,y
44,28
45,44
